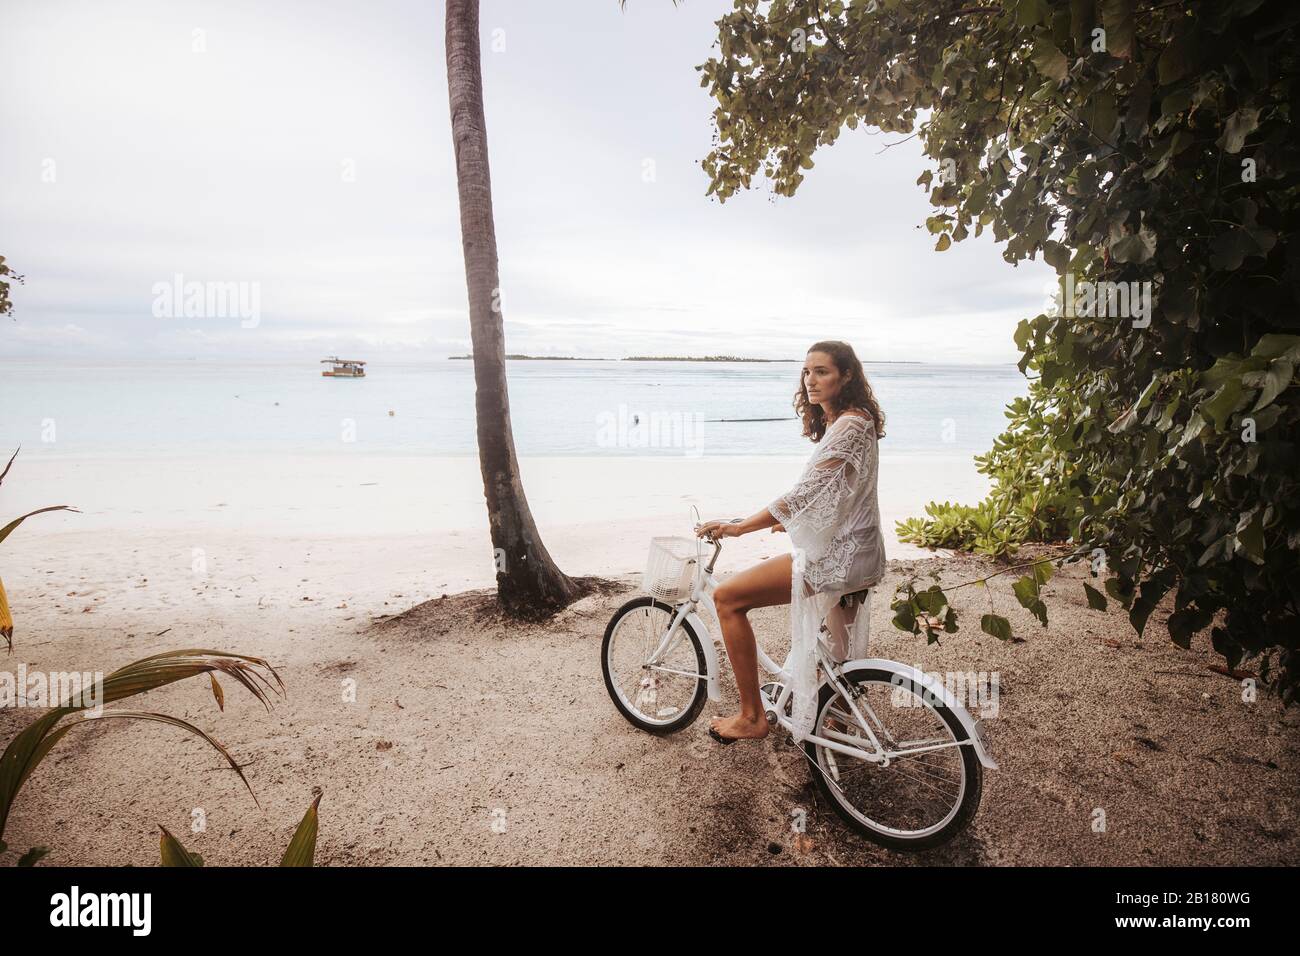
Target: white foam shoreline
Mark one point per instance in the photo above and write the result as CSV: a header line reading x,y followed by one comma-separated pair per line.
x,y
367,526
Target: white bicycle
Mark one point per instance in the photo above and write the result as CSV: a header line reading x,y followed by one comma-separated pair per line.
x,y
909,783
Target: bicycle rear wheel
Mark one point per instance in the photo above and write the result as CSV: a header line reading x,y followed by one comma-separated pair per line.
x,y
920,800
661,696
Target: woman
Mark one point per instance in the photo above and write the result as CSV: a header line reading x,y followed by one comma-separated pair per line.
x,y
833,521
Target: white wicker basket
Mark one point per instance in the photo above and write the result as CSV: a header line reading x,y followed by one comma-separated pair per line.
x,y
670,569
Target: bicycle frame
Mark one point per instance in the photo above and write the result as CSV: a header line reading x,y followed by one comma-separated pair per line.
x,y
702,594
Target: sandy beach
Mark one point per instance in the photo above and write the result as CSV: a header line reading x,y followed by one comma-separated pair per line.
x,y
368,528
475,740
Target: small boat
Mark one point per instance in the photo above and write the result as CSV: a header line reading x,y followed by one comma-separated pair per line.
x,y
343,368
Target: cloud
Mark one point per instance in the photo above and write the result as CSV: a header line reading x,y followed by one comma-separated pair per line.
x,y
306,147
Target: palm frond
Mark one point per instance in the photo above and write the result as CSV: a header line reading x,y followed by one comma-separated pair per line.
x,y
32,856
6,618
11,464
8,529
302,848
30,747
172,853
159,670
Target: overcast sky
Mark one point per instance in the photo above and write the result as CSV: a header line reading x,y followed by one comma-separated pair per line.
x,y
303,148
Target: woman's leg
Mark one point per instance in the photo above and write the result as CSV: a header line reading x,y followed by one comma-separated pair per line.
x,y
843,629
760,586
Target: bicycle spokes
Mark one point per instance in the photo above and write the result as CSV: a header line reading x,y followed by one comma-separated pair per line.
x,y
918,783
656,686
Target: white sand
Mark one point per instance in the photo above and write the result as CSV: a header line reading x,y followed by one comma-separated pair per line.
x,y
370,527
460,720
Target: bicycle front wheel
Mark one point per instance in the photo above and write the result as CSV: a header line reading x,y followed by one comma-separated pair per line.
x,y
921,799
663,695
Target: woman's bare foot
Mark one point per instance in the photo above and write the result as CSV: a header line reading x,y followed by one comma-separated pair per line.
x,y
740,727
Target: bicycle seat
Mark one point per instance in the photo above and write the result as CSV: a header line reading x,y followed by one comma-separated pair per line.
x,y
854,597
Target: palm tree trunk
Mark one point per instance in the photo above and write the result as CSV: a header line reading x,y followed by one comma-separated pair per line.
x,y
528,581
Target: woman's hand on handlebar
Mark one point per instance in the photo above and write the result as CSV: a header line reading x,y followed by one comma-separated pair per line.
x,y
716,529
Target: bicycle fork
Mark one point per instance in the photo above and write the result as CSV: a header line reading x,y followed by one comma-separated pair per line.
x,y
676,634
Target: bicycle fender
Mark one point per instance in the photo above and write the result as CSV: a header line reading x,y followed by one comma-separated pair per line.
x,y
941,692
710,655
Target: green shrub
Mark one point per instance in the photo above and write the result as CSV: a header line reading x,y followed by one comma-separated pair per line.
x,y
1146,145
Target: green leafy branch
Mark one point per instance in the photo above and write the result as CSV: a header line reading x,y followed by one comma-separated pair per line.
x,y
930,611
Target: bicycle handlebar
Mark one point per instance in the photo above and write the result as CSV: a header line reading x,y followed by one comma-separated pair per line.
x,y
717,544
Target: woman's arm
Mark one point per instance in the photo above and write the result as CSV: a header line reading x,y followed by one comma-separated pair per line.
x,y
834,473
831,478
735,528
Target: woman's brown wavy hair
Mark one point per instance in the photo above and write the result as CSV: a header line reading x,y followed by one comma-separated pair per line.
x,y
855,393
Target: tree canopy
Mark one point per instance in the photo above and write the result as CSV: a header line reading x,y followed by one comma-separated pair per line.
x,y
1145,151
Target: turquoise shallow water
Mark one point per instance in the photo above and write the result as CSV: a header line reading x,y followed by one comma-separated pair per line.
x,y
558,408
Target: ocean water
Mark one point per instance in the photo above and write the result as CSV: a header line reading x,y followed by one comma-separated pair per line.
x,y
558,408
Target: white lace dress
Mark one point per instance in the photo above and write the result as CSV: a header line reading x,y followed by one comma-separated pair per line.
x,y
833,520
